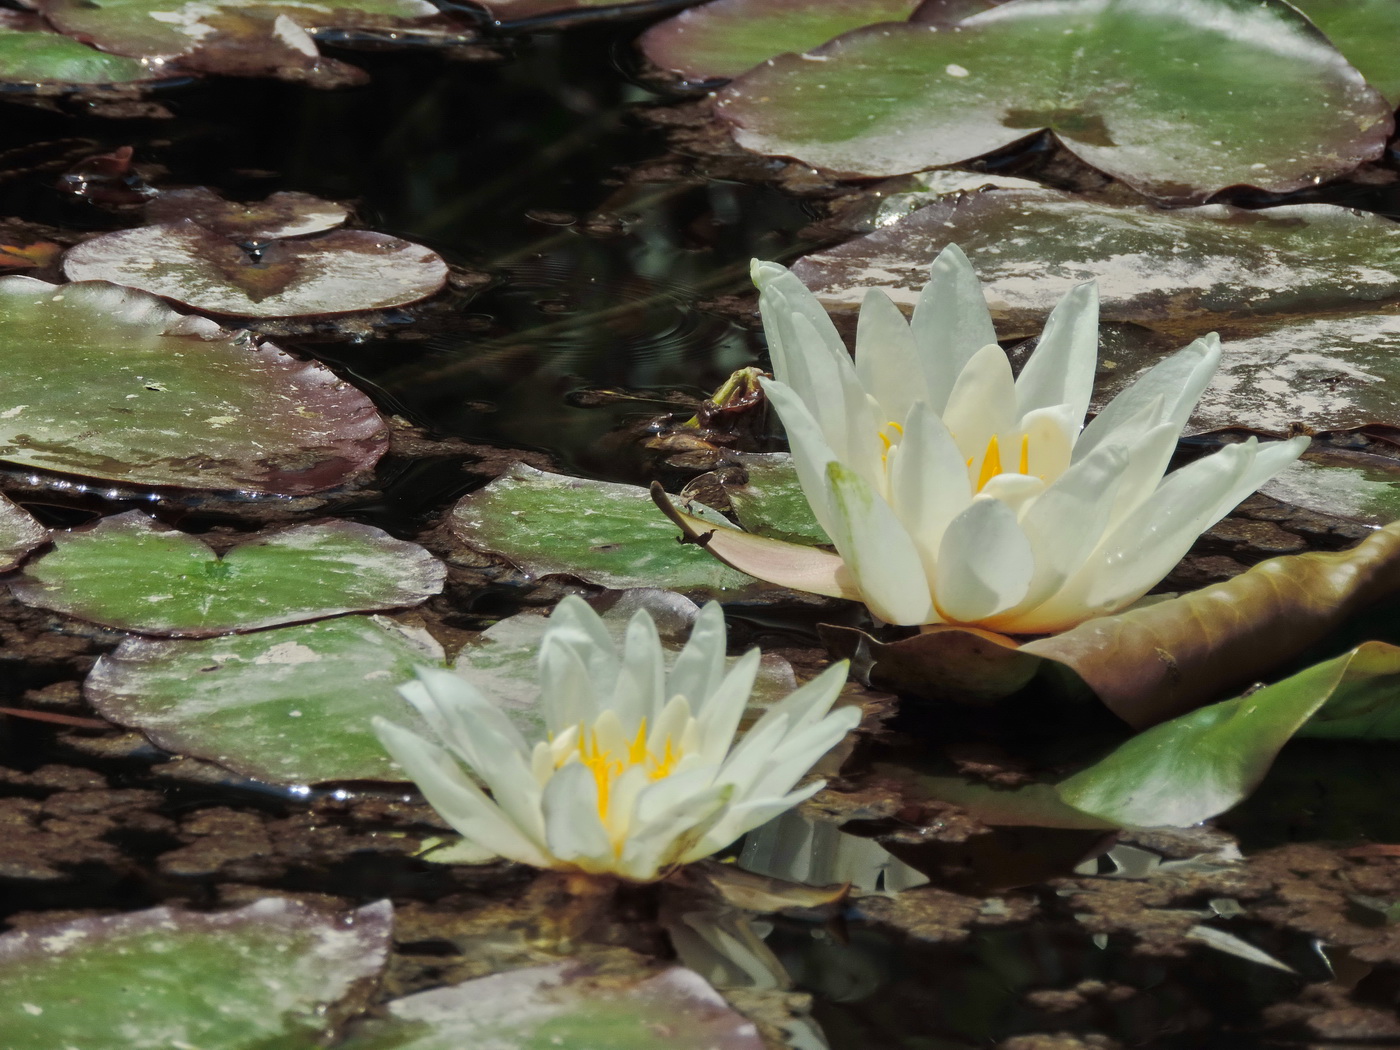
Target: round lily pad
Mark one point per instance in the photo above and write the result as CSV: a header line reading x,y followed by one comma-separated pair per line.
x,y
31,53
19,533
603,533
275,973
1177,269
148,396
338,272
725,37
291,705
564,1005
286,213
1365,31
1341,482
1176,105
132,573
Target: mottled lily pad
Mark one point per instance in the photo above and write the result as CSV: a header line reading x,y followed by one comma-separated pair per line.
x,y
338,272
286,213
31,53
771,503
600,532
1365,31
19,533
148,396
565,1006
726,37
241,37
1176,270
510,11
132,573
287,706
275,973
1176,105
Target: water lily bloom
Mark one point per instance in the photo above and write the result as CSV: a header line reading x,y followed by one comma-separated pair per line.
x,y
639,771
955,493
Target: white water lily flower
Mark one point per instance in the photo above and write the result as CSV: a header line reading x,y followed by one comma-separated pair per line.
x,y
640,771
955,493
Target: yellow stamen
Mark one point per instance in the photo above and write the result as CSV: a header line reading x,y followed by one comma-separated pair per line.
x,y
991,464
887,440
1025,453
637,752
606,768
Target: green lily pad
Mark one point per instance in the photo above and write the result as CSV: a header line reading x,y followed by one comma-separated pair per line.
x,y
563,1005
147,396
19,533
337,272
129,572
1365,31
1189,769
1176,270
287,706
31,53
1177,105
276,973
603,533
726,37
1348,484
286,213
293,705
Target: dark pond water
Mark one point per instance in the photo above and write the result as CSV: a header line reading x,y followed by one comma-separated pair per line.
x,y
533,171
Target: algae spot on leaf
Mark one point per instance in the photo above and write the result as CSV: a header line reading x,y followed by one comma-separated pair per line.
x,y
337,272
726,37
290,705
274,973
129,572
600,532
148,396
1175,105
564,1005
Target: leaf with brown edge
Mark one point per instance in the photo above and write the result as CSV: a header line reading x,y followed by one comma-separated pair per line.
x,y
1159,661
792,565
966,664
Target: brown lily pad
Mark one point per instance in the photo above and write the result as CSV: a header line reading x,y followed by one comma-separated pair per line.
x,y
286,213
339,272
1170,656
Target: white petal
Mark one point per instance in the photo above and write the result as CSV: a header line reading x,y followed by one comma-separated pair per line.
x,y
797,754
1179,381
641,681
885,360
777,284
568,695
719,718
1050,435
573,828
1012,490
982,403
928,481
1060,370
699,668
810,452
951,323
985,563
877,550
671,835
806,705
671,725
743,818
455,797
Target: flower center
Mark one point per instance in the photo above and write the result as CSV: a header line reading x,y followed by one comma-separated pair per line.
x,y
607,764
991,461
887,440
